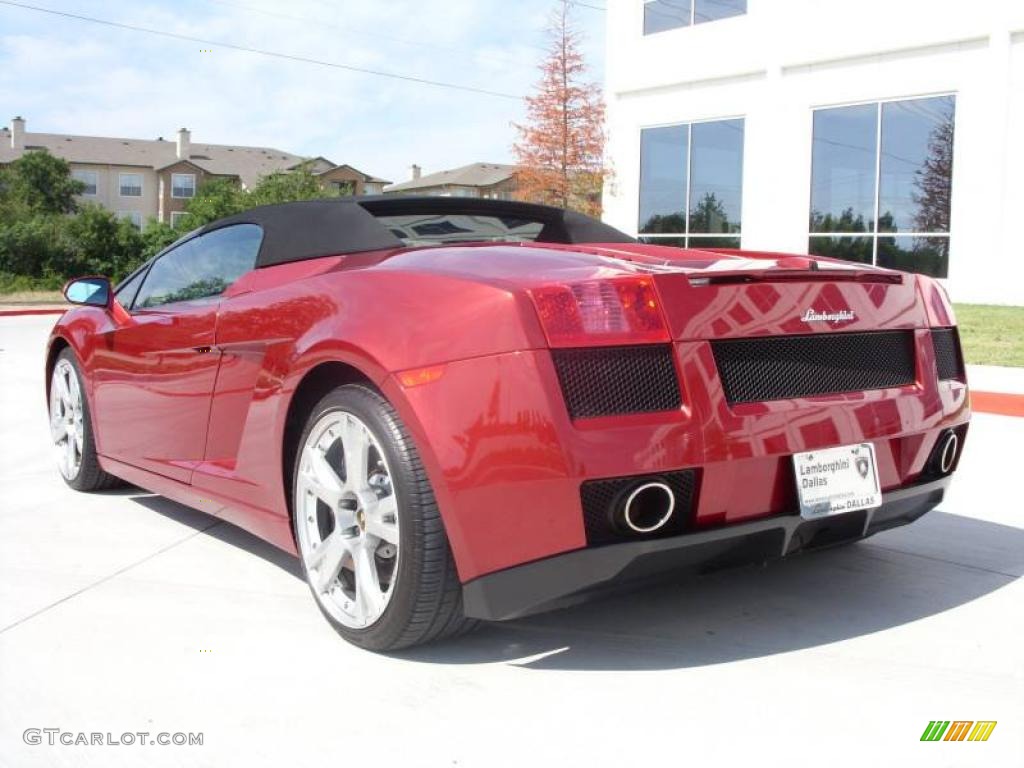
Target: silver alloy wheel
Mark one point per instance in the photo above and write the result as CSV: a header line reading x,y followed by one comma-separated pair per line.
x,y
66,419
346,519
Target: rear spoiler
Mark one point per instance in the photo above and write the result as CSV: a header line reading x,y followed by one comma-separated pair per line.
x,y
786,267
798,275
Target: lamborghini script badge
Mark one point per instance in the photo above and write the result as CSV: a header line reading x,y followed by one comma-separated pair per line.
x,y
840,316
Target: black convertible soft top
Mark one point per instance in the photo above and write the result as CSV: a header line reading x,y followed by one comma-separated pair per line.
x,y
314,228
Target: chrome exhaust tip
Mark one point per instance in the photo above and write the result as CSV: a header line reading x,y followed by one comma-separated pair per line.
x,y
947,458
648,507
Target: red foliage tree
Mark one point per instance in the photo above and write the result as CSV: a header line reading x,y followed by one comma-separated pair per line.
x,y
560,151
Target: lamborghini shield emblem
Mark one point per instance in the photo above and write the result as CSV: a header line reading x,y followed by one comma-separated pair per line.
x,y
863,466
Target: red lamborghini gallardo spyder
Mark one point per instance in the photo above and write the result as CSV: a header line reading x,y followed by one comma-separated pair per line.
x,y
454,410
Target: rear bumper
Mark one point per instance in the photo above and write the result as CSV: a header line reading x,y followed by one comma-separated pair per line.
x,y
575,576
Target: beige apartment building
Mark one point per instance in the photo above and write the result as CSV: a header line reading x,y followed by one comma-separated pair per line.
x,y
142,179
487,180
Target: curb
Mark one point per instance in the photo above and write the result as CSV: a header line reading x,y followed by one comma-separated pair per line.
x,y
17,312
998,403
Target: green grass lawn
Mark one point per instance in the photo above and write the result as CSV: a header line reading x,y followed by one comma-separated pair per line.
x,y
31,297
991,335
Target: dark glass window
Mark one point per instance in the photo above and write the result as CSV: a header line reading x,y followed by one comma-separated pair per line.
x,y
126,291
675,242
716,176
691,181
201,267
662,15
713,242
916,167
879,170
843,163
711,10
928,255
849,248
664,155
89,178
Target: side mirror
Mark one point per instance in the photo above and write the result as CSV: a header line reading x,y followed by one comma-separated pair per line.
x,y
91,291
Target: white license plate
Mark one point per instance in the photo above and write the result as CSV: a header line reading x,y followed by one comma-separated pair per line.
x,y
836,480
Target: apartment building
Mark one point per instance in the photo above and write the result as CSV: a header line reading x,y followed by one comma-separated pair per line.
x,y
140,179
487,180
883,132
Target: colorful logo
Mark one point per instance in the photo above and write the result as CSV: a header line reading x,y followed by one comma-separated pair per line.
x,y
958,730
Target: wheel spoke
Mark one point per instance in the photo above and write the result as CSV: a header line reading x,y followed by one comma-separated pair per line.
x,y
369,597
325,560
62,390
73,390
58,428
356,444
322,480
382,520
69,455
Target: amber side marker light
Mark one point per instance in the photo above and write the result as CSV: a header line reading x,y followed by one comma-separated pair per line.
x,y
417,376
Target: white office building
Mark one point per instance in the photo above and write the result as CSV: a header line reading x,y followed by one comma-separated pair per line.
x,y
887,131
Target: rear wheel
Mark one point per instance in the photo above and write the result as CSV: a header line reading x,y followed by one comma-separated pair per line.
x,y
369,534
71,429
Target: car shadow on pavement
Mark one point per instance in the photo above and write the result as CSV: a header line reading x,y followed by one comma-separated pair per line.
x,y
936,564
219,529
940,562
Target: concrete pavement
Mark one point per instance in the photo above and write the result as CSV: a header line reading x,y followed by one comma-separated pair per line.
x,y
124,612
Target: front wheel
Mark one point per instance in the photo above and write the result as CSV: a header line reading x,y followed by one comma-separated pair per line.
x,y
71,429
371,540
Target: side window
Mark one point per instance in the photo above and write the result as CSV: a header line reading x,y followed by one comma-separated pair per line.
x,y
202,267
126,291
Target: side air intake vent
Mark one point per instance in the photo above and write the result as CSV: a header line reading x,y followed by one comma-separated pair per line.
x,y
948,358
780,367
608,381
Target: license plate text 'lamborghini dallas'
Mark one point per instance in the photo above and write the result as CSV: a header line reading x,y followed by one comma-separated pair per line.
x,y
835,480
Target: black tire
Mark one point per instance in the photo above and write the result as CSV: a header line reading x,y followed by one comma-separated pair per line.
x,y
90,476
426,603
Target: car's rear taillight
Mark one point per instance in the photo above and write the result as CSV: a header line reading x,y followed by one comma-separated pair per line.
x,y
601,312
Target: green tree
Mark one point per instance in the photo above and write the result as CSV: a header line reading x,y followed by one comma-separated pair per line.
x,y
214,200
672,223
285,187
37,183
709,215
846,221
156,236
31,246
97,242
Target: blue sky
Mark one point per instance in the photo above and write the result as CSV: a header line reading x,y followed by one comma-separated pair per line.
x,y
69,76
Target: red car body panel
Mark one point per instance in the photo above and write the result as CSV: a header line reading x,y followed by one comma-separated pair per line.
x,y
194,405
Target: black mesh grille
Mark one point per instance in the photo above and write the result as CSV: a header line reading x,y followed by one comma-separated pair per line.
x,y
947,353
603,498
605,381
780,367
